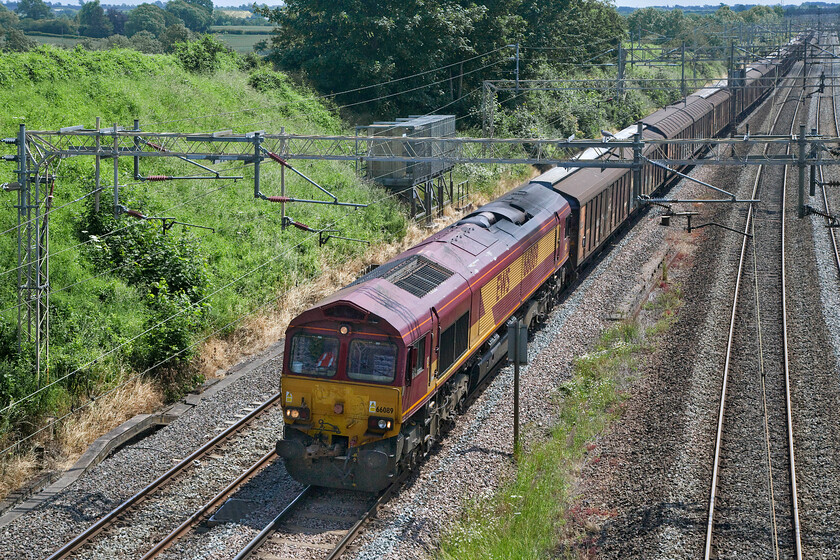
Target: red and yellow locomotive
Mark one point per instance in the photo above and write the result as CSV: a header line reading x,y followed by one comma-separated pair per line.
x,y
371,373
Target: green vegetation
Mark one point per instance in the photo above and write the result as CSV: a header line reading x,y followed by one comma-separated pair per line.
x,y
149,28
345,45
112,279
674,27
530,514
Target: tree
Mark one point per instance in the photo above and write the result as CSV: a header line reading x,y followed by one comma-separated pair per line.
x,y
117,42
8,19
92,20
570,31
117,19
16,41
33,9
195,18
204,55
347,44
145,17
145,42
173,35
206,5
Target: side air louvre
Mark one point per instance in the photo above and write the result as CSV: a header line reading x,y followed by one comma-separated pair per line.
x,y
418,276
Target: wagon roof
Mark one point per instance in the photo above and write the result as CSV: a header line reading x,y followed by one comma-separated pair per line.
x,y
696,107
670,121
588,183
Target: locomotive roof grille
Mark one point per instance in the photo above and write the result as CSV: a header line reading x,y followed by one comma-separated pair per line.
x,y
418,276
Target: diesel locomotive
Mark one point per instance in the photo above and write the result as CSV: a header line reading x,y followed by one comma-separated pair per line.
x,y
373,373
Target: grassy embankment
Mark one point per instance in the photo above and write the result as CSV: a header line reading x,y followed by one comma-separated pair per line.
x,y
530,516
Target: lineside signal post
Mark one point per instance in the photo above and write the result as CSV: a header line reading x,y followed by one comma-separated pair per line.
x,y
518,353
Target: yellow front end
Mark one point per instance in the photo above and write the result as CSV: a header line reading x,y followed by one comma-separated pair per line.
x,y
341,409
343,435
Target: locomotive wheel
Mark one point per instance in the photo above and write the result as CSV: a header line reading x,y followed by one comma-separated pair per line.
x,y
461,407
428,442
414,459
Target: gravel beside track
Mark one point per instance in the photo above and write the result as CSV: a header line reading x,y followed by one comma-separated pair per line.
x,y
38,533
649,498
815,349
657,503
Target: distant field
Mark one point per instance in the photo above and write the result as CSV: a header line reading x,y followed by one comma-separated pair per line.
x,y
241,43
236,13
56,40
242,29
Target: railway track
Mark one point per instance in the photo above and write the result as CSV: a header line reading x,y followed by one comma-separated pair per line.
x,y
121,515
319,523
821,171
753,503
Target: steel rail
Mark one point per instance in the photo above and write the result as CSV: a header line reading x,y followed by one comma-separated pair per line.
x,y
114,514
267,531
252,547
730,344
797,529
354,531
822,178
217,500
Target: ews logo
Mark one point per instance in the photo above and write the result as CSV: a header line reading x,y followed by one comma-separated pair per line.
x,y
502,284
529,260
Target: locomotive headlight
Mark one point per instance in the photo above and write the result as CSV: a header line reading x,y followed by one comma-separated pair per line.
x,y
295,413
344,329
378,425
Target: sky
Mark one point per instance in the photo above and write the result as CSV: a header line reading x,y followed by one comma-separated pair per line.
x,y
631,3
643,3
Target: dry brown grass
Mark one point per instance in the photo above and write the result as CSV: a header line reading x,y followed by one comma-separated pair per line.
x,y
67,442
108,412
15,471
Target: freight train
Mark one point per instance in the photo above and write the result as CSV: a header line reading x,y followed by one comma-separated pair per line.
x,y
373,373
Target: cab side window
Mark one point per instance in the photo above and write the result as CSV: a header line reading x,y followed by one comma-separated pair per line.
x,y
421,357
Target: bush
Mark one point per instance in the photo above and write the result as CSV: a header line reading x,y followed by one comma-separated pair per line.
x,y
266,80
174,321
16,41
117,42
58,26
168,268
202,56
173,35
145,42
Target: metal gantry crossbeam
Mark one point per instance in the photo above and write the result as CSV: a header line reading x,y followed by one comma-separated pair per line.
x,y
38,151
252,147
